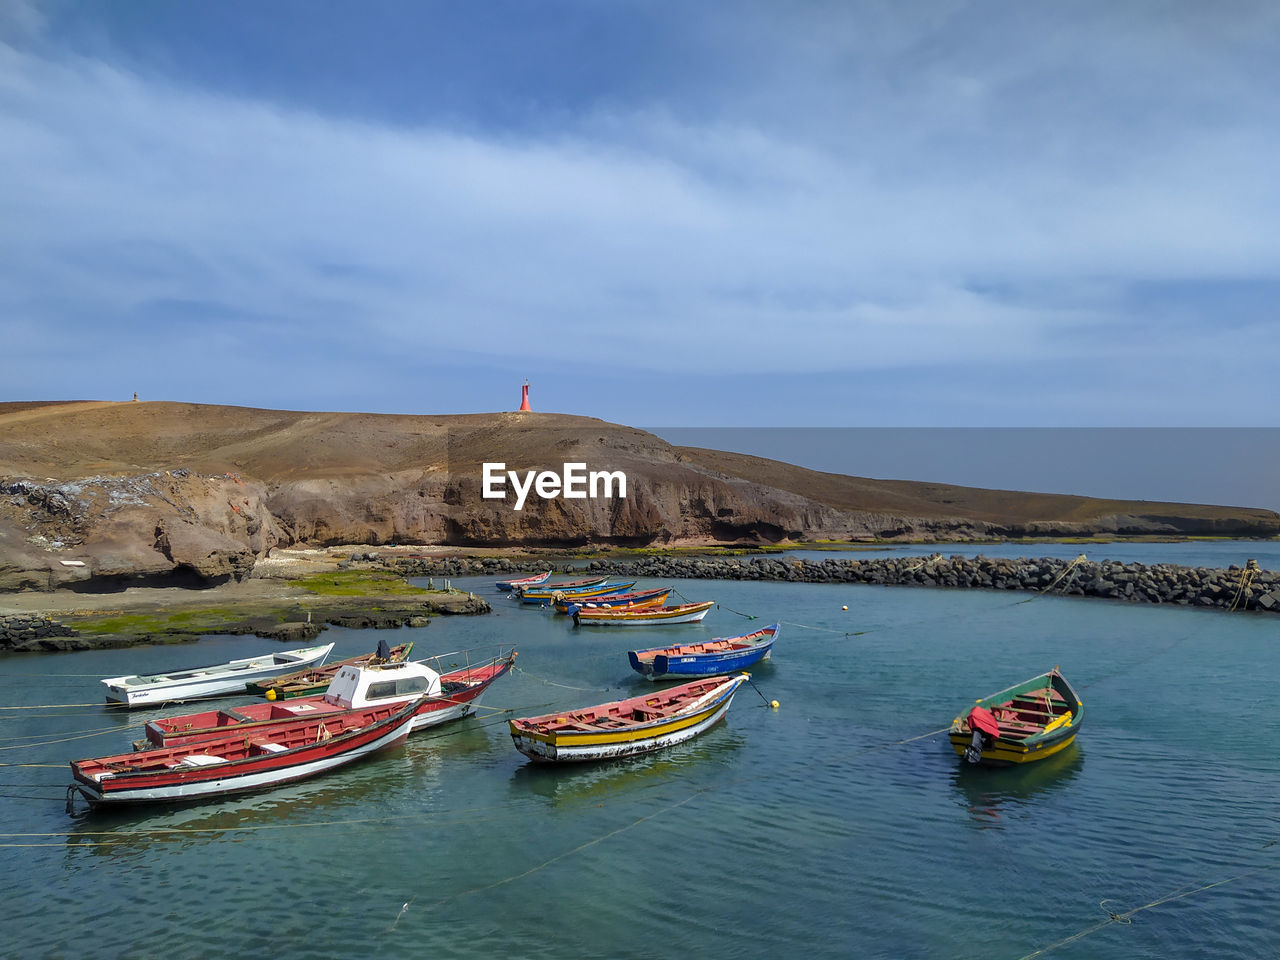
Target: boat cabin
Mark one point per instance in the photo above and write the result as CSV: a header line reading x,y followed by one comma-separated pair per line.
x,y
371,684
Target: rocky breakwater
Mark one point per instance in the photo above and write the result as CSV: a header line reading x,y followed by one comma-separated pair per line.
x,y
497,567
26,632
1236,587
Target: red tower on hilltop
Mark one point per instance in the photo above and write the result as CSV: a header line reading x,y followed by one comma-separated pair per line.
x,y
524,397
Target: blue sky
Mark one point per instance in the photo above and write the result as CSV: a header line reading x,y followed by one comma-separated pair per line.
x,y
720,214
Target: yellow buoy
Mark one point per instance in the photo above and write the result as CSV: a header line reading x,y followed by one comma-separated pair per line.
x,y
774,704
271,693
845,607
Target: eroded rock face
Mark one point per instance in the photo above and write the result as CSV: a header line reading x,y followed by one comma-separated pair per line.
x,y
98,494
147,528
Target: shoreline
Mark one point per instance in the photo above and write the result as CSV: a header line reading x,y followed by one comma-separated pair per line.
x,y
288,610
299,594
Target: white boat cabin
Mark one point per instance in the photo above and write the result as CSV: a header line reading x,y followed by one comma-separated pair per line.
x,y
372,684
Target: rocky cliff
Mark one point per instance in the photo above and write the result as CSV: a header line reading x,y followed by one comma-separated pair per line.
x,y
94,494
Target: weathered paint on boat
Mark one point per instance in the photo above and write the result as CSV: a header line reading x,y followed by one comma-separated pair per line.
x,y
531,581
711,658
640,616
238,763
626,727
215,680
565,585
1036,719
552,595
643,598
440,698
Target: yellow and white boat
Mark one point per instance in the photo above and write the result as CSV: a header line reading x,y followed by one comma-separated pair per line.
x,y
624,728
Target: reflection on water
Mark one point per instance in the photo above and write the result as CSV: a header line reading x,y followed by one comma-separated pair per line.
x,y
604,780
357,792
851,828
991,794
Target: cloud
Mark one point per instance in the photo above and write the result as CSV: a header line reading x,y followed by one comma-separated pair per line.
x,y
929,190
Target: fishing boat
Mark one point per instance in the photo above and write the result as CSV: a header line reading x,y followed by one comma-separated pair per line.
x,y
712,658
643,598
305,683
218,680
636,616
1023,723
517,592
626,727
546,598
533,581
238,761
439,698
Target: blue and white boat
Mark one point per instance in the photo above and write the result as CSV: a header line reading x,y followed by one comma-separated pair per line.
x,y
545,597
710,658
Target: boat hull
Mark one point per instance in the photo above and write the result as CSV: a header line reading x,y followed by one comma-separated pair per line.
x,y
462,694
643,616
561,746
305,683
1032,720
202,682
545,598
508,585
699,665
223,778
649,598
1005,753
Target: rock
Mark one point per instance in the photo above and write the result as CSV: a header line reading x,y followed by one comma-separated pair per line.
x,y
297,631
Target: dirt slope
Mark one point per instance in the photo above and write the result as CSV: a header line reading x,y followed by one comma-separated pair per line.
x,y
94,492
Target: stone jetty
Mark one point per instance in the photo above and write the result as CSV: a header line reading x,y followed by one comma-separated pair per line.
x,y
34,632
1234,588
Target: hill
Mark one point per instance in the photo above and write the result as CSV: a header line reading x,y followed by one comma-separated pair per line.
x,y
93,492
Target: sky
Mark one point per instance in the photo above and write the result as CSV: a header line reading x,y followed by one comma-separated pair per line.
x,y
721,214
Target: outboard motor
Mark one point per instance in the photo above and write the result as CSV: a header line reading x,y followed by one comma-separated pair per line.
x,y
985,730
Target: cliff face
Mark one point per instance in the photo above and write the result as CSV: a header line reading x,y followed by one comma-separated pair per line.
x,y
93,493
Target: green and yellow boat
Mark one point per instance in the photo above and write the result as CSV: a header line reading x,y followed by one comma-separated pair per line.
x,y
1021,724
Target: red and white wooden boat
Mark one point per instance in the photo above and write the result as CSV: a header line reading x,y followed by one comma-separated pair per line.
x,y
437,697
533,581
241,761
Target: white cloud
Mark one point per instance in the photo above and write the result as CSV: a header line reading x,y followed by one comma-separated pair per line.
x,y
864,246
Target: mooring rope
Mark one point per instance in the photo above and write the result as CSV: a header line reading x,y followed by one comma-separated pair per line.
x,y
45,743
806,626
1069,568
98,703
1246,579
749,616
87,733
1127,916
552,682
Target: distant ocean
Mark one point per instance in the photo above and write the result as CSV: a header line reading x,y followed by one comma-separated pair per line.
x,y
840,825
1188,553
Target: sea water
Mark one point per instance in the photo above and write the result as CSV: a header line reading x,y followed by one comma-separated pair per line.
x,y
840,824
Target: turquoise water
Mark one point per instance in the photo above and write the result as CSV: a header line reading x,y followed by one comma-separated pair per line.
x,y
812,830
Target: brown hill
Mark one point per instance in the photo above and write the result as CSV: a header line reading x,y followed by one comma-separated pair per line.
x,y
92,492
